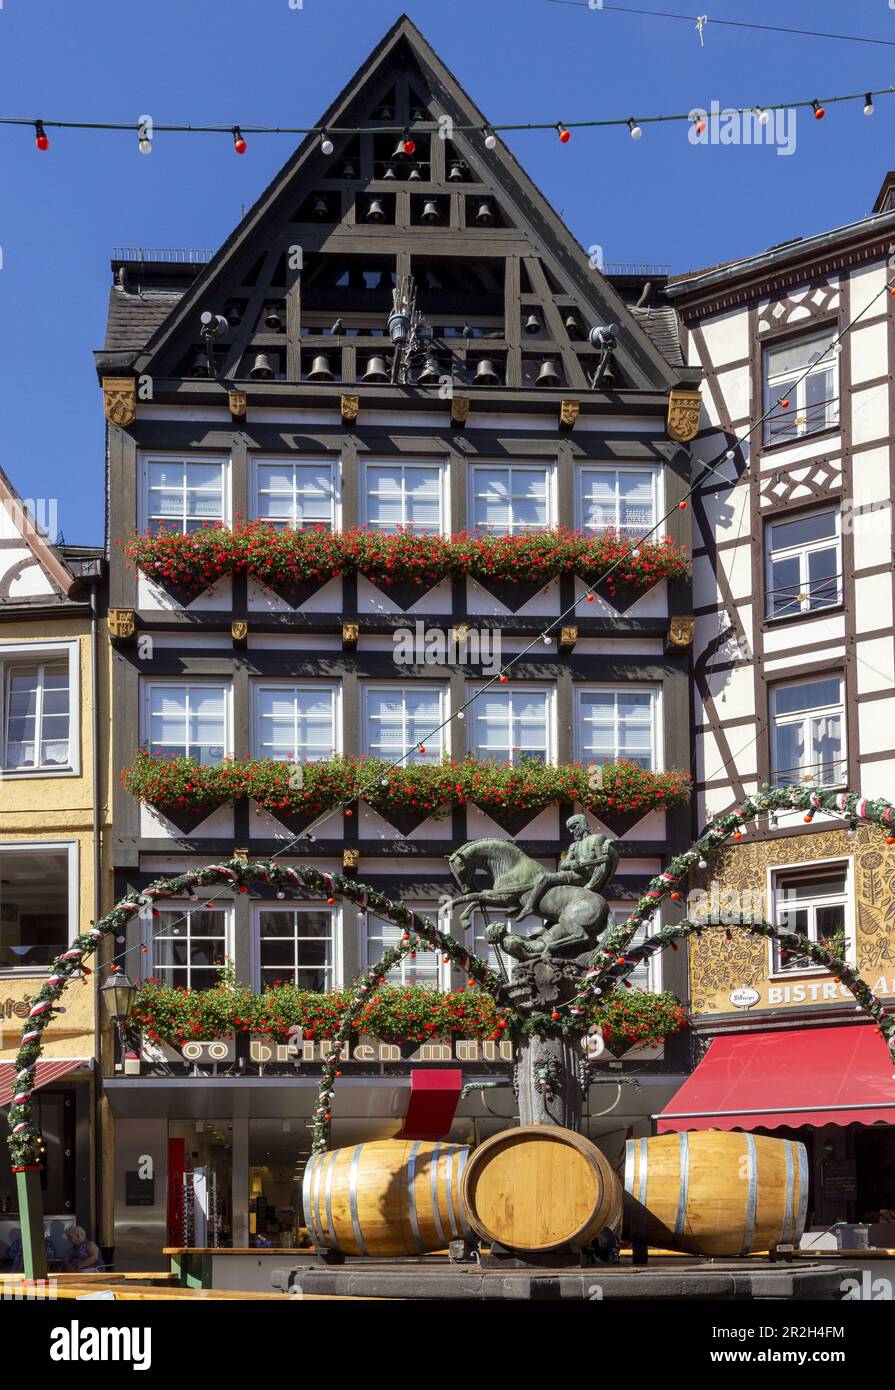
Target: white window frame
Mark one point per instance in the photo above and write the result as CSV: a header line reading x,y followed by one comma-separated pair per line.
x,y
181,908
658,490
148,684
442,981
10,654
803,717
401,463
442,688
257,686
621,911
595,687
801,553
161,456
336,913
798,407
477,470
773,874
514,687
71,849
293,461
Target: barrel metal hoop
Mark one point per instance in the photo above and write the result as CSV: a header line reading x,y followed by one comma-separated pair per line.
x,y
306,1194
318,1183
803,1193
433,1173
628,1197
466,1232
352,1200
752,1194
411,1199
642,1178
684,1185
330,1228
789,1214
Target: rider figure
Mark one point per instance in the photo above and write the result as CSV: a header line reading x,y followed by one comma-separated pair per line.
x,y
589,862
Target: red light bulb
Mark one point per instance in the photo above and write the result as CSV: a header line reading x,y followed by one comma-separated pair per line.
x,y
819,111
239,143
564,135
409,145
41,138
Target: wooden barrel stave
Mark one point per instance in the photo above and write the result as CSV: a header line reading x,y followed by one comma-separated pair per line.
x,y
388,1197
713,1192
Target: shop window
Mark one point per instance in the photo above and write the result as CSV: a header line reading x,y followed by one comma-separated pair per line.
x,y
296,495
808,733
411,496
296,946
278,1154
182,494
513,723
189,946
38,903
507,500
805,375
804,564
187,720
404,722
617,499
295,722
38,708
205,1209
618,724
814,902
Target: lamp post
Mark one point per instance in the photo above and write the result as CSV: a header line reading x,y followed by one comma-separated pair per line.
x,y
118,992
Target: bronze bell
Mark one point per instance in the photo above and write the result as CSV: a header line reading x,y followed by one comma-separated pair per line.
x,y
385,112
547,375
375,212
376,370
389,172
320,209
430,212
484,214
572,326
430,375
233,315
456,173
414,175
349,169
273,319
485,375
533,324
320,369
200,365
262,369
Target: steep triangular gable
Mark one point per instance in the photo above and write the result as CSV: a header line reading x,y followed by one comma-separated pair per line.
x,y
31,569
315,203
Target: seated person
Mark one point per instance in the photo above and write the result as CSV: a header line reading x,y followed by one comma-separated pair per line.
x,y
84,1254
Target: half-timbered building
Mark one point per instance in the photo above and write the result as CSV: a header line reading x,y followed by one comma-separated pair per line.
x,y
793,667
294,403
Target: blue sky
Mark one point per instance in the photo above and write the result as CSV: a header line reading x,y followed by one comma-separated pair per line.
x,y
211,61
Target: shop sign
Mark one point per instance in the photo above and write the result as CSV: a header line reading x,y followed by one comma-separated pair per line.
x,y
369,1051
744,997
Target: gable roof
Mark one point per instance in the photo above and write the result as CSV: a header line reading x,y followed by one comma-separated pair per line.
x,y
32,569
171,330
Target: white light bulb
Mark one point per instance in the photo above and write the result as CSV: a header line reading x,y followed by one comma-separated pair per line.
x,y
546,639
145,146
460,714
635,130
326,144
763,116
731,454
868,104
490,140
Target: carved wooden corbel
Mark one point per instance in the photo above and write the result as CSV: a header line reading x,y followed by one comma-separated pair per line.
x,y
682,421
120,400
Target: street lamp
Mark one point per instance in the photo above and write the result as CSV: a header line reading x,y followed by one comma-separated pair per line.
x,y
119,993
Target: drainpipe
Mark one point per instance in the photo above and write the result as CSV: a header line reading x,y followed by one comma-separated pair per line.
x,y
97,904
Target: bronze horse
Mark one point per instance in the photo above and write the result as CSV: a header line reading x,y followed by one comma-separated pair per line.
x,y
574,918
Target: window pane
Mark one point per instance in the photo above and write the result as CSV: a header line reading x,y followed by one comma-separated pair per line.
x,y
816,526
34,907
809,695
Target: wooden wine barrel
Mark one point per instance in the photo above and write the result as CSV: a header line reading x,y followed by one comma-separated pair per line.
x,y
389,1197
715,1192
539,1187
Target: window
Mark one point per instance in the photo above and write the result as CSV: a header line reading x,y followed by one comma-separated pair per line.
x,y
621,499
296,946
39,702
300,495
814,902
187,720
808,732
505,500
647,973
184,494
188,946
295,722
812,399
479,943
425,968
38,903
803,564
401,720
408,495
618,724
510,724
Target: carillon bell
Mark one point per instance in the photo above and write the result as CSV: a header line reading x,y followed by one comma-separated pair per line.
x,y
389,172
430,212
572,326
547,375
233,315
320,369
349,169
414,175
430,375
376,370
385,112
200,365
262,369
484,214
320,209
273,319
399,151
456,172
375,212
533,324
485,375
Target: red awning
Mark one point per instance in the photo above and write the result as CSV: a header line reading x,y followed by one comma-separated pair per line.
x,y
813,1076
44,1074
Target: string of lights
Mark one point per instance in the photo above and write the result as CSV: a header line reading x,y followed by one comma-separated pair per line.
x,y
146,130
707,469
